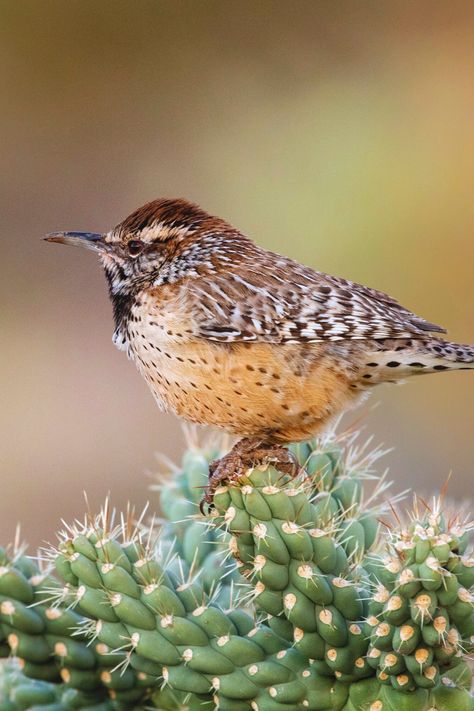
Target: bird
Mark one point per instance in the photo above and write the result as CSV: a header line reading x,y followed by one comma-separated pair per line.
x,y
229,334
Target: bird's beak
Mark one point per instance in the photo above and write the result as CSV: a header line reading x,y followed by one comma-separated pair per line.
x,y
88,240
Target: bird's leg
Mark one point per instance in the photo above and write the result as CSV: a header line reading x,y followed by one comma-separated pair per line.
x,y
244,455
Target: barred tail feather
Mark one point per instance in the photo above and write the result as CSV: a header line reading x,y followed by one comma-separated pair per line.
x,y
455,356
394,360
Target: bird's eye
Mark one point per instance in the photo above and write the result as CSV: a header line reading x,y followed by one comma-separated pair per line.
x,y
135,247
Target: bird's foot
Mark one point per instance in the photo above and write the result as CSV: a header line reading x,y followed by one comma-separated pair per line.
x,y
245,455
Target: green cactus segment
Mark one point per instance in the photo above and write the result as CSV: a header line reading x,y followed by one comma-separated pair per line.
x,y
49,639
199,545
170,631
421,611
19,693
337,476
371,695
290,560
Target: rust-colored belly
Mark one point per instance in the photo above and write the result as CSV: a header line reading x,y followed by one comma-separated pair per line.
x,y
279,392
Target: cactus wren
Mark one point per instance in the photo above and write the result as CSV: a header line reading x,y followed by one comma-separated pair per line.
x,y
229,334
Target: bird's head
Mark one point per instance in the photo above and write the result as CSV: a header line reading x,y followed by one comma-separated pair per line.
x,y
161,241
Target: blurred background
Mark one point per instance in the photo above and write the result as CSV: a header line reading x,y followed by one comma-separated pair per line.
x,y
340,133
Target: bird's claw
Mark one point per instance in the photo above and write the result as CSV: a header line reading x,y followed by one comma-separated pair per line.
x,y
233,465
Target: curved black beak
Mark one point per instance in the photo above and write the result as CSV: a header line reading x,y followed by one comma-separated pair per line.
x,y
88,240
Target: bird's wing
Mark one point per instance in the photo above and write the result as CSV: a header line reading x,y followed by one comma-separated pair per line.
x,y
277,300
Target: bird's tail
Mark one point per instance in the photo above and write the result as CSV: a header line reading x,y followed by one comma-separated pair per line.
x,y
394,360
449,356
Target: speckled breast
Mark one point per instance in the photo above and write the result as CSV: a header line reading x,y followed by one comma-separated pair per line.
x,y
250,389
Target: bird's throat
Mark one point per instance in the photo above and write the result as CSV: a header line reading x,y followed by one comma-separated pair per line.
x,y
122,303
122,297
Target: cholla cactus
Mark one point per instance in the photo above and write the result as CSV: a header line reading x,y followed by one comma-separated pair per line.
x,y
421,614
52,642
197,543
291,596
19,692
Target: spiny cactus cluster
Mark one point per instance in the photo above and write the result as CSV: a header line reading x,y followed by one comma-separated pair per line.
x,y
421,613
300,574
20,692
291,595
197,544
49,640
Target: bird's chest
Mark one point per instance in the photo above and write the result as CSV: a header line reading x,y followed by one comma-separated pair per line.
x,y
150,338
158,338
